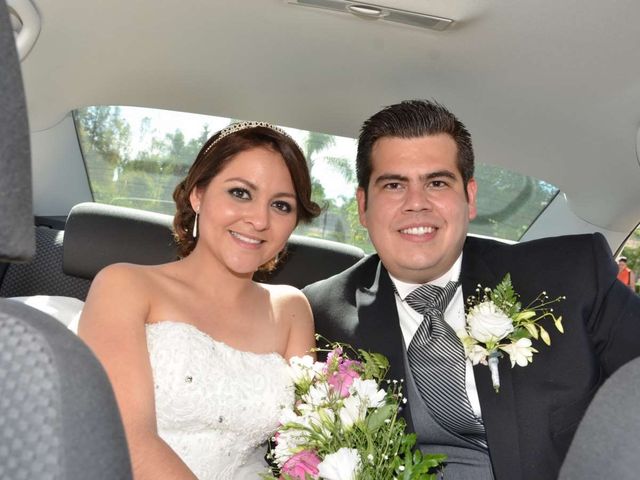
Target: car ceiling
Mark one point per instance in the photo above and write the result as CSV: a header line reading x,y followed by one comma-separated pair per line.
x,y
549,89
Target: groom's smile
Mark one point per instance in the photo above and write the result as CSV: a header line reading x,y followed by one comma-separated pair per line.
x,y
419,231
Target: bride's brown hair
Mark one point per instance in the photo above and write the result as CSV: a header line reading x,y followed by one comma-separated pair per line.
x,y
216,153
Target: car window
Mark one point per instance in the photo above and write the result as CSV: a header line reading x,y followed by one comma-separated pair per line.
x,y
135,156
631,250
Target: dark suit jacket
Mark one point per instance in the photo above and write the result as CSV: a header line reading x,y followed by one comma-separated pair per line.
x,y
531,421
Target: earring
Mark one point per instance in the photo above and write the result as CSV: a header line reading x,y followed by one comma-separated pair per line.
x,y
195,224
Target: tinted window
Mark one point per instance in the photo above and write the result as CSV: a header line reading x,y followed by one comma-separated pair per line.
x,y
136,156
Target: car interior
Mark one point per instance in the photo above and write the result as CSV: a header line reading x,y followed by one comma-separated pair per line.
x,y
105,103
59,417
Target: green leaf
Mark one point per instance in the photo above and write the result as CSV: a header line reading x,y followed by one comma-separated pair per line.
x,y
375,364
377,418
558,323
519,333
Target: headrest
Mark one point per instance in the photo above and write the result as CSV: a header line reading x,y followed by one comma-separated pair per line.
x,y
308,260
17,238
97,235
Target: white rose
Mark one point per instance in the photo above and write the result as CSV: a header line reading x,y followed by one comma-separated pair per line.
x,y
341,465
488,323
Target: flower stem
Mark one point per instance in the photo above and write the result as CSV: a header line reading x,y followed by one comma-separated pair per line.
x,y
493,368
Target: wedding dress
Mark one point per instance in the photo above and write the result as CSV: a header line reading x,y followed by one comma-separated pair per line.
x,y
215,405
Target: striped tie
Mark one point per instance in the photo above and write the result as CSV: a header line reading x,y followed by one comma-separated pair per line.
x,y
437,361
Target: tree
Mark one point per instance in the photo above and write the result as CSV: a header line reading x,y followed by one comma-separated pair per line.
x,y
104,132
105,141
338,220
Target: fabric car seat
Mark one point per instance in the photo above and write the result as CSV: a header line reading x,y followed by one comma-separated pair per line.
x,y
607,441
58,415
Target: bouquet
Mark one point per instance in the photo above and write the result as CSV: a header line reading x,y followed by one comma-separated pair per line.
x,y
344,424
497,322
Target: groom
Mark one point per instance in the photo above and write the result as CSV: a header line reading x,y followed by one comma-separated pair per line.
x,y
416,196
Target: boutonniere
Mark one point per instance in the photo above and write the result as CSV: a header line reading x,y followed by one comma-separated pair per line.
x,y
496,322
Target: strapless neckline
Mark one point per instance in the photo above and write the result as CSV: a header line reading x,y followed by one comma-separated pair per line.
x,y
211,339
216,405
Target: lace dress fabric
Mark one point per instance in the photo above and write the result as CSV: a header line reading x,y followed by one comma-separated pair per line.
x,y
215,405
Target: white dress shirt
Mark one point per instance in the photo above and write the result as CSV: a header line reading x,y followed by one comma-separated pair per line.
x,y
410,320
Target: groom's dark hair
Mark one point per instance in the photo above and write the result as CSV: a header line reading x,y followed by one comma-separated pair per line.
x,y
411,119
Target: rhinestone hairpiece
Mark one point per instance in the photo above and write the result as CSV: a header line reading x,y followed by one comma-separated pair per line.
x,y
236,127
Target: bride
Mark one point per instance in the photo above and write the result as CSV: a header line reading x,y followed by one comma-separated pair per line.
x,y
195,349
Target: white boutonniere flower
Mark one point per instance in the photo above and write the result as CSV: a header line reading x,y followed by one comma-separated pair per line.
x,y
487,323
497,322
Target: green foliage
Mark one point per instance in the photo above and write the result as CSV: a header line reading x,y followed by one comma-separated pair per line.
x,y
633,257
146,181
339,220
376,365
104,133
505,296
359,234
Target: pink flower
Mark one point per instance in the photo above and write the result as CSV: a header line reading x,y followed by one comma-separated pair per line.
x,y
302,464
341,371
341,380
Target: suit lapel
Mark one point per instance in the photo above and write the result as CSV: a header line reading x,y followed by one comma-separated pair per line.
x,y
379,327
498,409
378,324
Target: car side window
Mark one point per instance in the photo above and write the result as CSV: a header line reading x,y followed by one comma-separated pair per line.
x,y
135,157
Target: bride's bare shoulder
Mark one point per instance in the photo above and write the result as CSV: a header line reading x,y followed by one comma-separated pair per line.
x,y
283,293
289,302
128,277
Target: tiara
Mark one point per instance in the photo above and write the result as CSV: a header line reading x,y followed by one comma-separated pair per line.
x,y
237,127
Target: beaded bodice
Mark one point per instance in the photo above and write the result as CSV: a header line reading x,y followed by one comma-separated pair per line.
x,y
215,405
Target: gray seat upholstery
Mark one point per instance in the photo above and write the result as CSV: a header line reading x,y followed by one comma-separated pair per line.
x,y
97,235
607,442
58,416
43,275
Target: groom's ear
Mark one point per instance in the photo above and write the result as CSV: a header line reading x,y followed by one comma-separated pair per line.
x,y
472,191
361,196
